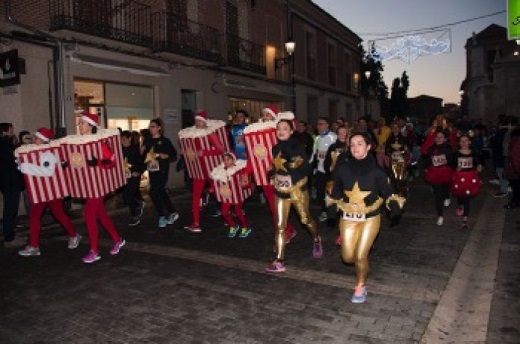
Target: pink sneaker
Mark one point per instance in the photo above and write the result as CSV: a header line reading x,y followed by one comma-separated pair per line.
x,y
317,249
91,257
276,267
117,246
460,211
338,240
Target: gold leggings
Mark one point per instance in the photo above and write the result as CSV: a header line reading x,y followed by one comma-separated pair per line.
x,y
283,206
356,240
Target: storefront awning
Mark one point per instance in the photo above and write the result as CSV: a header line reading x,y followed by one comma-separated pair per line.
x,y
103,63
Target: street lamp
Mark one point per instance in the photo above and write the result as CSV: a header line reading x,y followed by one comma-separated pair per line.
x,y
367,76
290,46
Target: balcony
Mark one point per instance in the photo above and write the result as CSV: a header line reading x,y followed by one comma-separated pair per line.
x,y
181,36
124,21
244,54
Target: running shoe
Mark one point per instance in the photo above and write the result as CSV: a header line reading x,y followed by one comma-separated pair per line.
x,y
338,240
464,225
29,251
317,249
245,232
440,221
172,218
194,228
91,257
460,211
275,267
74,241
117,246
447,202
162,222
359,295
140,208
135,221
233,231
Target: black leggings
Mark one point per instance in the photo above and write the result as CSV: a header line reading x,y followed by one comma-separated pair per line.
x,y
440,192
158,193
464,203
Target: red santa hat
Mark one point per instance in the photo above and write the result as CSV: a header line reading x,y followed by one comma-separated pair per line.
x,y
271,110
232,155
44,134
90,118
202,116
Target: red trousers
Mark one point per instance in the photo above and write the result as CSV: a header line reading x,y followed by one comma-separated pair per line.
x,y
226,214
269,196
35,220
95,210
198,188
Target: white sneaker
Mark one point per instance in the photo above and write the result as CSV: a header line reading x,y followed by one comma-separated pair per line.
x,y
29,251
447,202
74,242
440,221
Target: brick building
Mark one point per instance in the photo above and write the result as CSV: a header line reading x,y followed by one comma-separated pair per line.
x,y
131,61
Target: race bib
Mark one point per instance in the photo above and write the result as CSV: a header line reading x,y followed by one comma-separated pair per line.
x,y
397,156
356,217
465,163
153,166
283,182
439,160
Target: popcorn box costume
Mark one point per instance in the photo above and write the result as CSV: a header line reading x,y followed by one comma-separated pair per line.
x,y
228,187
193,140
95,162
44,176
260,139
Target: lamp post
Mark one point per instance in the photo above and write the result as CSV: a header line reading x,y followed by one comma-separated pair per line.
x,y
290,46
367,76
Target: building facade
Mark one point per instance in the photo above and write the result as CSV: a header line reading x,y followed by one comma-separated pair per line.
x,y
131,61
492,75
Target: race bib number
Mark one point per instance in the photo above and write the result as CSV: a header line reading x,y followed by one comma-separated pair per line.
x,y
356,217
439,160
153,166
322,154
397,156
283,182
464,163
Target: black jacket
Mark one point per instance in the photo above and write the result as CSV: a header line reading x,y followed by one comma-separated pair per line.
x,y
11,178
292,151
161,145
134,158
339,147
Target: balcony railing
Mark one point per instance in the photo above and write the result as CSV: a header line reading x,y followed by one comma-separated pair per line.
x,y
125,21
179,35
245,54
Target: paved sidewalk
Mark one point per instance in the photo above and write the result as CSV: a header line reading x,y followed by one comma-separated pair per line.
x,y
169,286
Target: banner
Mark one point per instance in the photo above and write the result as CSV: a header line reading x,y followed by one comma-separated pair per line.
x,y
513,19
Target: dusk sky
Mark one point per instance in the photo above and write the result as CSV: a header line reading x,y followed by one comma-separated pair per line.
x,y
439,75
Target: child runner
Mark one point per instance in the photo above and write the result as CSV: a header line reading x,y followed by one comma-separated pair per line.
x,y
222,173
438,172
42,137
466,183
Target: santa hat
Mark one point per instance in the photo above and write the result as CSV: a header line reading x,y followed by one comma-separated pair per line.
x,y
271,110
232,155
202,116
289,116
90,118
45,134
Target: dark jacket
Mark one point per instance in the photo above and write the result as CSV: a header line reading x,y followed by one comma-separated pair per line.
x,y
161,145
339,147
497,149
134,158
11,178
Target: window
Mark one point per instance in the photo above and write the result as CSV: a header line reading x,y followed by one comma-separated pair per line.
x,y
331,51
310,54
347,64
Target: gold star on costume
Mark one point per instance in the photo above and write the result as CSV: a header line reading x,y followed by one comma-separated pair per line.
x,y
150,156
356,195
127,165
396,146
279,161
